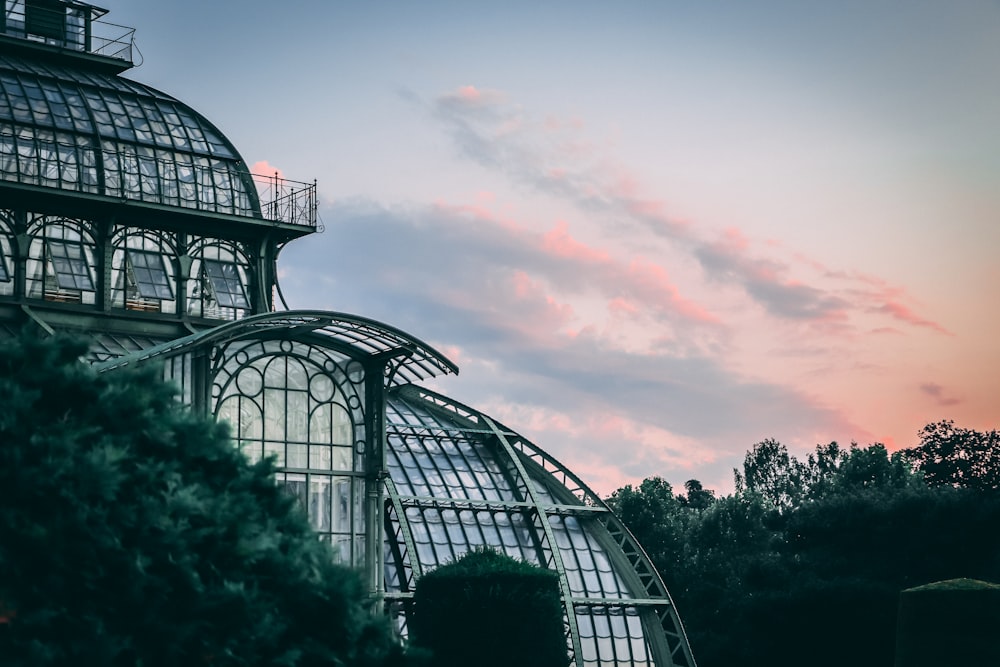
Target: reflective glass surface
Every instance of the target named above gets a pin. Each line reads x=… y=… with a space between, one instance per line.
x=61 y=254
x=226 y=284
x=150 y=274
x=457 y=480
x=297 y=404
x=457 y=485
x=70 y=265
x=91 y=132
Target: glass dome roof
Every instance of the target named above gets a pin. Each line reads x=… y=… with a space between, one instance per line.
x=97 y=133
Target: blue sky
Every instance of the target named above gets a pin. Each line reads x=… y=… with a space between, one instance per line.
x=650 y=233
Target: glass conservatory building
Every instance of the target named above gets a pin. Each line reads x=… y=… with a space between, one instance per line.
x=128 y=216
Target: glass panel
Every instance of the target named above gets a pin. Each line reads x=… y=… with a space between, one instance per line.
x=226 y=283
x=342 y=506
x=320 y=502
x=297 y=456
x=274 y=414
x=295 y=485
x=70 y=266
x=297 y=411
x=150 y=274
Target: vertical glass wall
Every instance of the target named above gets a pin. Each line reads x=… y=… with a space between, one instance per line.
x=7 y=254
x=144 y=270
x=304 y=406
x=61 y=259
x=219 y=283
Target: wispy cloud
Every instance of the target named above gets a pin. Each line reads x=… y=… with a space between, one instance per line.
x=555 y=157
x=938 y=393
x=613 y=336
x=505 y=297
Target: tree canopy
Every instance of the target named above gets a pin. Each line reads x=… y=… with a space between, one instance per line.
x=805 y=562
x=132 y=532
x=954 y=456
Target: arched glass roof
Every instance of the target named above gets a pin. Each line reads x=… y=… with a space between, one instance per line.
x=452 y=478
x=86 y=131
x=412 y=359
x=459 y=480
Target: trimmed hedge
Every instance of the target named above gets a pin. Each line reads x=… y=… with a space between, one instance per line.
x=489 y=610
x=953 y=622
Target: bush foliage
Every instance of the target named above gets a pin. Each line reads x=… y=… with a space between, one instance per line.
x=133 y=533
x=489 y=610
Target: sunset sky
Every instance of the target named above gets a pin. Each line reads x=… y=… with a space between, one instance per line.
x=650 y=234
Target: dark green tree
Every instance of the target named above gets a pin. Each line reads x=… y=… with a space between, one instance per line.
x=771 y=473
x=954 y=456
x=133 y=533
x=804 y=564
x=696 y=496
x=489 y=610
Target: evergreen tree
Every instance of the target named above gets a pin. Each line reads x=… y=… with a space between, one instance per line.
x=133 y=533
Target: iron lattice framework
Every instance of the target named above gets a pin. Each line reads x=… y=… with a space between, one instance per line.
x=409 y=359
x=458 y=479
x=401 y=480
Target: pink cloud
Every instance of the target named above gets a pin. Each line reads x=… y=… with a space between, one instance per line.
x=471 y=97
x=554 y=313
x=558 y=242
x=264 y=168
x=622 y=307
x=653 y=279
x=902 y=312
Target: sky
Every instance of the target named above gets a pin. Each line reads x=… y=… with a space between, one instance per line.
x=651 y=234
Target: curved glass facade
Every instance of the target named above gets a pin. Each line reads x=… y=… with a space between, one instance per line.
x=90 y=132
x=459 y=480
x=401 y=480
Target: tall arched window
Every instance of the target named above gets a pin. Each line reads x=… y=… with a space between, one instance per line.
x=218 y=286
x=303 y=406
x=61 y=260
x=144 y=270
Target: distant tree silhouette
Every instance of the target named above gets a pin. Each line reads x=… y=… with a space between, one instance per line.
x=803 y=565
x=957 y=456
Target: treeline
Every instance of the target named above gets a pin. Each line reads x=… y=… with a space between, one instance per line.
x=804 y=563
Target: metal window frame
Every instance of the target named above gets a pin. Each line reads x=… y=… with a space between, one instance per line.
x=221 y=284
x=78 y=278
x=154 y=294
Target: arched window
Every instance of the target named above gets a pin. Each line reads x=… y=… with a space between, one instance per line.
x=61 y=260
x=218 y=286
x=302 y=405
x=143 y=270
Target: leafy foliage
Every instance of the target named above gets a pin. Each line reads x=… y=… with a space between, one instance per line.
x=132 y=532
x=490 y=610
x=805 y=562
x=958 y=456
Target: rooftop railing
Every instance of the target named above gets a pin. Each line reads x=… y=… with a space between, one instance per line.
x=293 y=202
x=67 y=25
x=138 y=174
